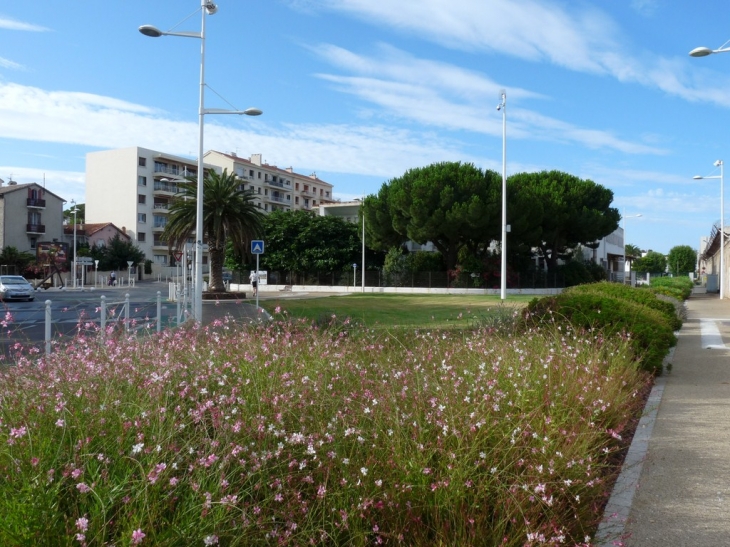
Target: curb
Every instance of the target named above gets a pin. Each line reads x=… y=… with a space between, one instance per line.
x=617 y=510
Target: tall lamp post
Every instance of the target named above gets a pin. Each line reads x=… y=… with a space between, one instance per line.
x=73 y=202
x=624 y=217
x=505 y=228
x=210 y=8
x=719 y=163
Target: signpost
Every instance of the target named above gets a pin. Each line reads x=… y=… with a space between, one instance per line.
x=257 y=248
x=84 y=261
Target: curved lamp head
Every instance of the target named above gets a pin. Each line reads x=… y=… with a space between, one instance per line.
x=697 y=177
x=253 y=112
x=718 y=163
x=700 y=52
x=151 y=31
x=211 y=8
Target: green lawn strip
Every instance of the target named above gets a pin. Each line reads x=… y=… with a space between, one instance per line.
x=396 y=310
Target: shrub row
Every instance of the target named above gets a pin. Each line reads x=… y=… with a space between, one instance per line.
x=638 y=315
x=676 y=287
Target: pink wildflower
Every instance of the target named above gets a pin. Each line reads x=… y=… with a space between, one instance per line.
x=137 y=536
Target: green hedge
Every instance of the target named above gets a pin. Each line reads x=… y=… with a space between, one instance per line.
x=649 y=330
x=647 y=298
x=677 y=287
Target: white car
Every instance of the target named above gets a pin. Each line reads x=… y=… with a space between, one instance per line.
x=15 y=287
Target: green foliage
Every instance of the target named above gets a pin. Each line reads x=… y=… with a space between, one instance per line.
x=578 y=272
x=450 y=204
x=298 y=241
x=648 y=331
x=682 y=260
x=68 y=216
x=644 y=297
x=678 y=287
x=148 y=267
x=567 y=212
x=16 y=261
x=116 y=253
x=653 y=263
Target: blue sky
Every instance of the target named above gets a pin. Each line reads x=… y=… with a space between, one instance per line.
x=362 y=90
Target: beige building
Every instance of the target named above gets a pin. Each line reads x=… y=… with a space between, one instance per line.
x=29 y=214
x=134 y=187
x=274 y=188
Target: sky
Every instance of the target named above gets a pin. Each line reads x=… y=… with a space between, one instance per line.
x=360 y=91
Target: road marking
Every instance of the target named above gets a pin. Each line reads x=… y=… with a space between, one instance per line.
x=710 y=334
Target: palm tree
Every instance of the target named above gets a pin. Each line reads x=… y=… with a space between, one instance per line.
x=229 y=212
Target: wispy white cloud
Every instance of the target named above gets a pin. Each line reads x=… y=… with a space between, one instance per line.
x=12 y=24
x=100 y=122
x=7 y=63
x=442 y=95
x=575 y=36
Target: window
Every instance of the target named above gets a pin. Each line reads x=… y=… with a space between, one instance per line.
x=240 y=172
x=296 y=200
x=33 y=242
x=142 y=162
x=34 y=217
x=160 y=259
x=259 y=174
x=141 y=199
x=141 y=237
x=266 y=207
x=250 y=173
x=259 y=190
x=141 y=218
x=296 y=186
x=141 y=181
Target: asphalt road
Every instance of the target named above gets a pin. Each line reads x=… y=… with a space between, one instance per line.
x=25 y=322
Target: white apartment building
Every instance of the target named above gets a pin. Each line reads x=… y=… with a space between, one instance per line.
x=274 y=188
x=134 y=187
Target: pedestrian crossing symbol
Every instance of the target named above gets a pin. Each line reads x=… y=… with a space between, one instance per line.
x=257 y=246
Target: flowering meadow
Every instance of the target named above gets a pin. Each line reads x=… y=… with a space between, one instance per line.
x=288 y=434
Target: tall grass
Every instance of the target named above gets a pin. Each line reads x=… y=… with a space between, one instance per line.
x=292 y=435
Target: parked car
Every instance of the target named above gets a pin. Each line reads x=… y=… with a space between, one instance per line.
x=15 y=287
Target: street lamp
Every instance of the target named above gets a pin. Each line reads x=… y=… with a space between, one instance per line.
x=624 y=217
x=209 y=7
x=505 y=228
x=720 y=164
x=705 y=51
x=73 y=202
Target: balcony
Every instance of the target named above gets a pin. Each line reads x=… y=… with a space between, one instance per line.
x=35 y=228
x=165 y=188
x=278 y=199
x=36 y=203
x=276 y=183
x=161 y=207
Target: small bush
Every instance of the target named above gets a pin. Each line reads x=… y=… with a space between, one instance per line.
x=575 y=273
x=648 y=330
x=646 y=298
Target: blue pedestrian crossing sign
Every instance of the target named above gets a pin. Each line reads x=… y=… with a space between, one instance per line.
x=257 y=246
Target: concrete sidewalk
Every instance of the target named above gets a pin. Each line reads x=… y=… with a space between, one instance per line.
x=682 y=495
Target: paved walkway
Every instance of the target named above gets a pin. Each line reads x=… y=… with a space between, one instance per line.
x=675 y=488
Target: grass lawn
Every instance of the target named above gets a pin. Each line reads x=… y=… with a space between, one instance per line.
x=399 y=310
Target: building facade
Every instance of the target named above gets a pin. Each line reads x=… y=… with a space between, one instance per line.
x=133 y=188
x=274 y=188
x=29 y=214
